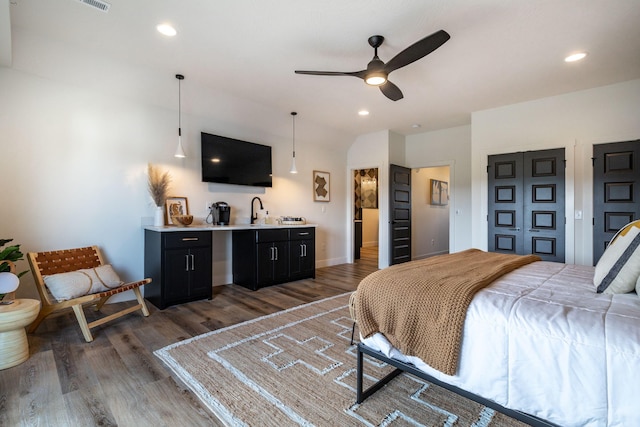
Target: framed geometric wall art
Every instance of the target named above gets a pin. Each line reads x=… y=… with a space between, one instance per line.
x=321 y=186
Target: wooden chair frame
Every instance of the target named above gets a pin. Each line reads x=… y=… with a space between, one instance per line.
x=63 y=261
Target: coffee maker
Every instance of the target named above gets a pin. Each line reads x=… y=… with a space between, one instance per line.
x=220 y=213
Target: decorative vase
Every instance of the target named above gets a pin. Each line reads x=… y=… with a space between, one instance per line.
x=158 y=218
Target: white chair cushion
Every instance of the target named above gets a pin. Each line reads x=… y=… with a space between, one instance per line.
x=74 y=284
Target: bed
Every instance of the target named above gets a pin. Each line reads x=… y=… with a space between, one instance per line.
x=538 y=343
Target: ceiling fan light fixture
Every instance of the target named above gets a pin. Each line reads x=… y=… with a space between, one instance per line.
x=376 y=78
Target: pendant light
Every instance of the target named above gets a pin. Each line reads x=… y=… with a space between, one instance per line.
x=179 y=151
x=293 y=160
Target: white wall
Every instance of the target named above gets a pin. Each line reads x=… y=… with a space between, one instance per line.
x=370 y=151
x=74 y=159
x=429 y=223
x=452 y=148
x=574 y=121
x=370 y=227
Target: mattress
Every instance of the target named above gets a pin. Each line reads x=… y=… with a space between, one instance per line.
x=542 y=341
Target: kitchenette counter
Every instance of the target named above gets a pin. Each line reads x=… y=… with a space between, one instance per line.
x=209 y=227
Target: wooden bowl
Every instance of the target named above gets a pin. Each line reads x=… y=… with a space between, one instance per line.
x=182 y=219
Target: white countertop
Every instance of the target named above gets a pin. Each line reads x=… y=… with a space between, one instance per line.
x=209 y=227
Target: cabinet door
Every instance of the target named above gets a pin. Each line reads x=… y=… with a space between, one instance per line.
x=176 y=274
x=309 y=261
x=281 y=262
x=200 y=279
x=264 y=263
x=302 y=259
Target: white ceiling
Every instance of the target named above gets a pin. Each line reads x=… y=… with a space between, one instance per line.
x=501 y=51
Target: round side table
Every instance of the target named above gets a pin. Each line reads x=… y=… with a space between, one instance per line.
x=14 y=347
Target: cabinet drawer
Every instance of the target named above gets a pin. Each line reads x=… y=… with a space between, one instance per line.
x=183 y=239
x=271 y=235
x=302 y=233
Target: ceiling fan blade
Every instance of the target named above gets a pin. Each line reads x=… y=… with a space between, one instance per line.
x=333 y=73
x=391 y=91
x=417 y=50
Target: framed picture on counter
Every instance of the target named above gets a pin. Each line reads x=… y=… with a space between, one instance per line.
x=175 y=206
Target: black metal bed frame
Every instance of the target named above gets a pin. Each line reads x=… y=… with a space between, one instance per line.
x=401 y=367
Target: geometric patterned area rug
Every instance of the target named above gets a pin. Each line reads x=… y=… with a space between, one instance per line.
x=297 y=367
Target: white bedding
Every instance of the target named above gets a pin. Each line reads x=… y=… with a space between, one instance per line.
x=542 y=341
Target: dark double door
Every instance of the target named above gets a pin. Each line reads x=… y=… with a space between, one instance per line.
x=616 y=190
x=526 y=209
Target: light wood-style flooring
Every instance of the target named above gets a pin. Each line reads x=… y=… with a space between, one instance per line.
x=117 y=381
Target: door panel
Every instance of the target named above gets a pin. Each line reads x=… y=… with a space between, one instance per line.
x=526 y=204
x=400 y=214
x=505 y=203
x=616 y=190
x=544 y=203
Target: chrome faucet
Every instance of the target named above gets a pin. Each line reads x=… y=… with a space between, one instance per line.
x=255 y=217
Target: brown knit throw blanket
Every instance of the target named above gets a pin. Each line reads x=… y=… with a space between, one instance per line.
x=420 y=306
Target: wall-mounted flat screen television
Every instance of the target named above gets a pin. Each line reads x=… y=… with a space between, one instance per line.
x=231 y=161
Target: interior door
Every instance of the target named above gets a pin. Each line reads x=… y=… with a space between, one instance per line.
x=399 y=214
x=527 y=203
x=616 y=190
x=506 y=196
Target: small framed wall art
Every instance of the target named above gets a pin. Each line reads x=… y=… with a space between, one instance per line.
x=175 y=206
x=321 y=186
x=439 y=193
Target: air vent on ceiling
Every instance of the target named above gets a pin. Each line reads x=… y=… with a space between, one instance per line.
x=98 y=4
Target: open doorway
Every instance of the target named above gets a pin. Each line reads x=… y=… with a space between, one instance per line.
x=430 y=211
x=366 y=214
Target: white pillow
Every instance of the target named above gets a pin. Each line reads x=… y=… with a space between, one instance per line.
x=619 y=267
x=66 y=286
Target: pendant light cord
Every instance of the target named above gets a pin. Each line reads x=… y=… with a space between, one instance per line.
x=180 y=77
x=293 y=116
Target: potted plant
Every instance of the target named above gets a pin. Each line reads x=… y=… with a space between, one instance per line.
x=9 y=256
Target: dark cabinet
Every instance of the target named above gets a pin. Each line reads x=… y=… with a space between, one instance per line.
x=180 y=264
x=302 y=253
x=272 y=263
x=270 y=256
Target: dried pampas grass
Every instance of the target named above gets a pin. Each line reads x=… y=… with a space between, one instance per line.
x=158 y=185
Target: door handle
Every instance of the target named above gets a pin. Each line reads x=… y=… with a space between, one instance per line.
x=515 y=229
x=193 y=263
x=275 y=249
x=189 y=239
x=272 y=252
x=534 y=230
x=186 y=259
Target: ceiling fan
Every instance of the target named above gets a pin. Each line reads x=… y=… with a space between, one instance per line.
x=377 y=71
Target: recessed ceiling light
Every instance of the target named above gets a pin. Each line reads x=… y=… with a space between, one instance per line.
x=167 y=30
x=416 y=125
x=575 y=57
x=363 y=113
